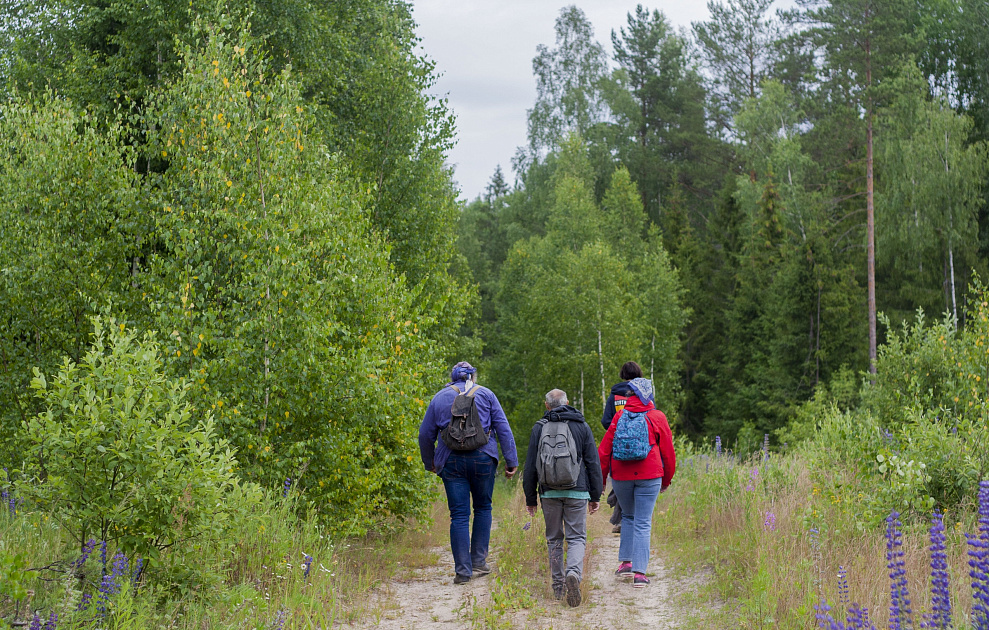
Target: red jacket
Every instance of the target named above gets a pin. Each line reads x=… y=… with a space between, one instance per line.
x=661 y=462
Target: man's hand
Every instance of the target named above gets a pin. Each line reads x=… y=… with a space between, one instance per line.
x=592 y=506
x=510 y=472
x=531 y=509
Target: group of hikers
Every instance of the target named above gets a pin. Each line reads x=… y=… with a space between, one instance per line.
x=565 y=472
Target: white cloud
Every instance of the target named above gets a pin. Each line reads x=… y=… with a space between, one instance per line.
x=483 y=51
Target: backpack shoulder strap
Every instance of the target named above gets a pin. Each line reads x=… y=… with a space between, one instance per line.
x=470 y=392
x=455 y=388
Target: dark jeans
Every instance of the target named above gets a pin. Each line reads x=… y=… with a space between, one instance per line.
x=469 y=476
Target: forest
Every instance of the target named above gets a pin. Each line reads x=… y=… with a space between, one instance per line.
x=235 y=269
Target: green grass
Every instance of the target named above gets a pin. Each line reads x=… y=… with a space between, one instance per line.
x=244 y=582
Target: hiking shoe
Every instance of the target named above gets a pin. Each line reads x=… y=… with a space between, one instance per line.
x=617 y=529
x=573 y=590
x=640 y=581
x=558 y=592
x=461 y=579
x=624 y=570
x=482 y=569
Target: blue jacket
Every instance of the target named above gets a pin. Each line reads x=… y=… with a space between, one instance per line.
x=492 y=416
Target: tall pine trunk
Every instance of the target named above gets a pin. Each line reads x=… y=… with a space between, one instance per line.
x=870 y=214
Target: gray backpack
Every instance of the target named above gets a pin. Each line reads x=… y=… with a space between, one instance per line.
x=557 y=462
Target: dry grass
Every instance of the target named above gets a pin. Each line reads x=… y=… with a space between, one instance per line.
x=774 y=578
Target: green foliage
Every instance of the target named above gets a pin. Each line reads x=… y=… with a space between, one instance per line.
x=73 y=225
x=118 y=454
x=278 y=299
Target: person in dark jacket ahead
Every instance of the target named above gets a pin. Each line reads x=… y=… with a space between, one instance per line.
x=620 y=393
x=565 y=511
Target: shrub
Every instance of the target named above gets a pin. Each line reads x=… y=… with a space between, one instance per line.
x=118 y=454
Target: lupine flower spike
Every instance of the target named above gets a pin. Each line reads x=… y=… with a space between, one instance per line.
x=899 y=607
x=770 y=523
x=843 y=597
x=287 y=486
x=717 y=445
x=52 y=623
x=87 y=549
x=978 y=554
x=306 y=565
x=940 y=617
x=36 y=622
x=858 y=619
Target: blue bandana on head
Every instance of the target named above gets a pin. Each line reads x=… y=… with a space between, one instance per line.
x=642 y=388
x=461 y=371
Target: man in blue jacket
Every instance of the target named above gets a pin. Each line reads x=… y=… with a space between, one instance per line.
x=467 y=475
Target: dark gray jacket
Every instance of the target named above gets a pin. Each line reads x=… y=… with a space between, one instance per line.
x=590 y=480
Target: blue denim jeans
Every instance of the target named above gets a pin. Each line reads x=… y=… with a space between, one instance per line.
x=637 y=499
x=469 y=476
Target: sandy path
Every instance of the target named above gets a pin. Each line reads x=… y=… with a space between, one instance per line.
x=427 y=599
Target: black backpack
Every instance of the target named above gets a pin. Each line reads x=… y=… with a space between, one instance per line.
x=464 y=433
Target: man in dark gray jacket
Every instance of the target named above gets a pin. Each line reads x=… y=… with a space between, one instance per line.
x=566 y=510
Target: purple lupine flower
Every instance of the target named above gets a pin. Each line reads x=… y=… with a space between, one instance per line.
x=287 y=486
x=899 y=607
x=84 y=602
x=717 y=445
x=36 y=622
x=843 y=597
x=824 y=619
x=753 y=475
x=52 y=623
x=111 y=583
x=940 y=594
x=138 y=567
x=280 y=618
x=978 y=554
x=306 y=565
x=527 y=525
x=87 y=549
x=858 y=618
x=770 y=523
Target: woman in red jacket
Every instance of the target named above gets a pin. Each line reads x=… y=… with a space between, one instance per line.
x=637 y=451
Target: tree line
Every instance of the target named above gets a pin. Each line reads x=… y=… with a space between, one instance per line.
x=261 y=188
x=748 y=197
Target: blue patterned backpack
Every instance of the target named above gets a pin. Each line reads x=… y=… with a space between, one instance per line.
x=631 y=441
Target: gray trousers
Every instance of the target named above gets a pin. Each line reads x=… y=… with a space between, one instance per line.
x=566 y=519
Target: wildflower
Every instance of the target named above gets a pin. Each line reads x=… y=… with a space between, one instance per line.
x=527 y=525
x=306 y=565
x=36 y=622
x=858 y=619
x=52 y=623
x=280 y=618
x=138 y=568
x=287 y=487
x=940 y=595
x=842 y=585
x=717 y=445
x=899 y=607
x=770 y=522
x=753 y=474
x=84 y=602
x=979 y=562
x=111 y=584
x=824 y=619
x=87 y=549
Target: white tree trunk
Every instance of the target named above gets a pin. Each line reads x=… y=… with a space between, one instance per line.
x=604 y=396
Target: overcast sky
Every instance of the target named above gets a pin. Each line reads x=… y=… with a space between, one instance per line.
x=483 y=51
